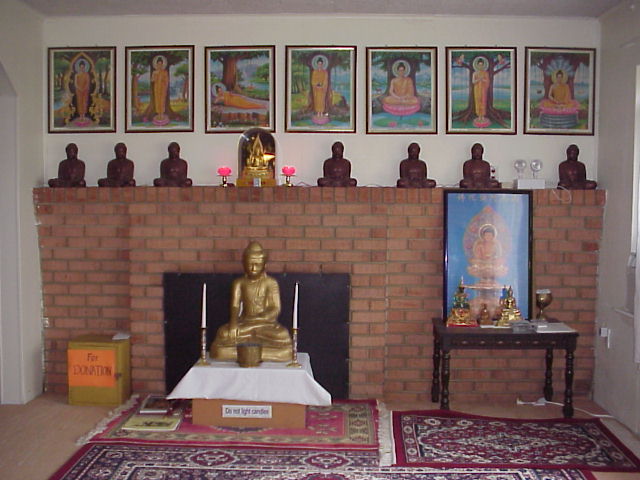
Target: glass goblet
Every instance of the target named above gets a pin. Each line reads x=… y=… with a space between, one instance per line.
x=543 y=300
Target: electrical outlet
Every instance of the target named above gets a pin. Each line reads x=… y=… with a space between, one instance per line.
x=605 y=332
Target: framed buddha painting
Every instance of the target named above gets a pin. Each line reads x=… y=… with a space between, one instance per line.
x=559 y=96
x=82 y=91
x=239 y=89
x=401 y=90
x=159 y=89
x=487 y=248
x=320 y=89
x=481 y=90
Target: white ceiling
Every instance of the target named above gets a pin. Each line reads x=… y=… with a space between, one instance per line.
x=557 y=8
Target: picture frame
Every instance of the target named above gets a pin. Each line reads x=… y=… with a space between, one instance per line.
x=81 y=89
x=481 y=90
x=154 y=72
x=488 y=247
x=320 y=89
x=239 y=88
x=402 y=90
x=559 y=91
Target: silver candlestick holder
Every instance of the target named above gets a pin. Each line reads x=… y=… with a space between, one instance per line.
x=203 y=347
x=294 y=350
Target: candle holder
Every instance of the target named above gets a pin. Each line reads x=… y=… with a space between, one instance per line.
x=203 y=347
x=294 y=352
x=224 y=172
x=288 y=171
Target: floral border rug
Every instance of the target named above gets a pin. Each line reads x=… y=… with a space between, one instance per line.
x=344 y=424
x=443 y=438
x=126 y=461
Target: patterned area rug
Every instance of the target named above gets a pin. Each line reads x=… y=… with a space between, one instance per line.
x=443 y=438
x=349 y=424
x=122 y=461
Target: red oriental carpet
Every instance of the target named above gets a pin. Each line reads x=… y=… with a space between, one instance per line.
x=183 y=462
x=343 y=425
x=441 y=438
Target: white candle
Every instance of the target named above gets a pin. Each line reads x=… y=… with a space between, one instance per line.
x=204 y=306
x=295 y=307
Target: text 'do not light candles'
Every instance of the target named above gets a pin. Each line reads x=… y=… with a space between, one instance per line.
x=224 y=172
x=288 y=171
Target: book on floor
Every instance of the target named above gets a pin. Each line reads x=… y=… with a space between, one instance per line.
x=153 y=423
x=156 y=404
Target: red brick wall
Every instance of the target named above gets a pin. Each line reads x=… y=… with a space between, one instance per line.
x=103 y=252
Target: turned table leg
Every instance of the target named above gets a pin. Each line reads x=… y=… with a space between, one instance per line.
x=567 y=410
x=435 y=383
x=548 y=376
x=444 y=401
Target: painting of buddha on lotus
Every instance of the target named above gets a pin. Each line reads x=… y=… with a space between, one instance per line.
x=487 y=247
x=560 y=94
x=401 y=90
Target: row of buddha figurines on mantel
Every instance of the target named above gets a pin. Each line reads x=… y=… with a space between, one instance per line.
x=336 y=170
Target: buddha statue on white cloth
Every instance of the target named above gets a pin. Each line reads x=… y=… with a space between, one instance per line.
x=255 y=306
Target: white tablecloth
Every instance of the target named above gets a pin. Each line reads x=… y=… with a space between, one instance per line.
x=269 y=382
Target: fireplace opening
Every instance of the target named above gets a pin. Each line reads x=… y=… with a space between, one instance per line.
x=323 y=321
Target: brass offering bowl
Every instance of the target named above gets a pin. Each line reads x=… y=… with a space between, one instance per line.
x=249 y=354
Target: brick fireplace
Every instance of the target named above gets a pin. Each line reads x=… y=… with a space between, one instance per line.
x=104 y=251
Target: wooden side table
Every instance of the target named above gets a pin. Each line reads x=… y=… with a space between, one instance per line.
x=446 y=339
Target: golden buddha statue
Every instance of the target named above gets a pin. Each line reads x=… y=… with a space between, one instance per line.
x=510 y=312
x=255 y=306
x=460 y=314
x=256 y=163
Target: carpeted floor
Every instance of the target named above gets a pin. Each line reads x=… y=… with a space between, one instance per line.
x=112 y=461
x=345 y=424
x=439 y=438
x=38 y=437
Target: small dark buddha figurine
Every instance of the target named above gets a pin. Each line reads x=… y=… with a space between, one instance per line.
x=119 y=170
x=173 y=170
x=337 y=169
x=572 y=172
x=70 y=170
x=413 y=171
x=476 y=172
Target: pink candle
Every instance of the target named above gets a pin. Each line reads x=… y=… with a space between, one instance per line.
x=224 y=171
x=288 y=170
x=203 y=324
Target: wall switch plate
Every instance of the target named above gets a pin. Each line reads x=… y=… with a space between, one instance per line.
x=605 y=332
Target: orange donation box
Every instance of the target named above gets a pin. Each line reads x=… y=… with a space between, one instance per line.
x=98 y=370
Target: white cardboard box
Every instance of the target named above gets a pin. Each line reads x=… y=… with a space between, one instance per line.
x=529 y=183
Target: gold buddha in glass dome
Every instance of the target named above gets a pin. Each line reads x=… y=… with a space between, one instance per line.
x=256 y=159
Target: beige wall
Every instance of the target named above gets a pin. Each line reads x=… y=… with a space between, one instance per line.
x=617 y=381
x=374 y=158
x=21 y=42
